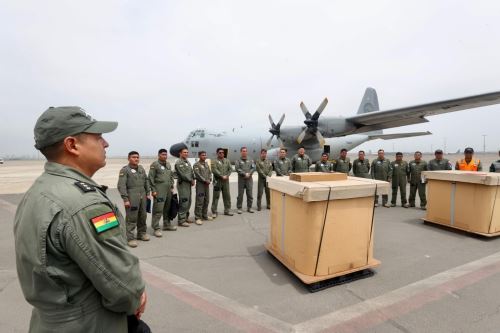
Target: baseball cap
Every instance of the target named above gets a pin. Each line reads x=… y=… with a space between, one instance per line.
x=438 y=151
x=469 y=150
x=56 y=123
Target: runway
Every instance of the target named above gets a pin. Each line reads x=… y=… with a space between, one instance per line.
x=218 y=277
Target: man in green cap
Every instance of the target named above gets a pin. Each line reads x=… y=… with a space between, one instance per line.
x=185 y=180
x=161 y=181
x=361 y=166
x=381 y=170
x=495 y=166
x=245 y=168
x=134 y=189
x=343 y=164
x=415 y=174
x=264 y=169
x=72 y=260
x=439 y=163
x=324 y=165
x=283 y=165
x=203 y=177
x=300 y=161
x=399 y=179
x=221 y=168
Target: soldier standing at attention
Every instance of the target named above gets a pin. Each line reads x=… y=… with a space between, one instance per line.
x=467 y=163
x=185 y=180
x=221 y=168
x=245 y=169
x=399 y=179
x=264 y=169
x=301 y=162
x=161 y=181
x=283 y=165
x=203 y=177
x=133 y=185
x=72 y=260
x=343 y=163
x=415 y=172
x=495 y=166
x=439 y=163
x=324 y=165
x=361 y=166
x=381 y=170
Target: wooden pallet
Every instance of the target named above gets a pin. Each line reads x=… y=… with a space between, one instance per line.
x=308 y=279
x=494 y=234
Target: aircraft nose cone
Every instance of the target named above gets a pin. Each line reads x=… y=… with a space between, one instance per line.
x=176 y=148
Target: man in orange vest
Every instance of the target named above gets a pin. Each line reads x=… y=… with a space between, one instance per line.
x=467 y=163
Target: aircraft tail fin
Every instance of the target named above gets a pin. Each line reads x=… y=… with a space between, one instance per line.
x=369 y=102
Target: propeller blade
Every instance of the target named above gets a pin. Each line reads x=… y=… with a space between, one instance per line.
x=281 y=120
x=271 y=121
x=305 y=111
x=320 y=138
x=320 y=109
x=268 y=144
x=301 y=136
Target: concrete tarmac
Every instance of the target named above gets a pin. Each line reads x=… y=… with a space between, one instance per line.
x=218 y=277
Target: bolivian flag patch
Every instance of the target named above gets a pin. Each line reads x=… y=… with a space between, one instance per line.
x=105 y=222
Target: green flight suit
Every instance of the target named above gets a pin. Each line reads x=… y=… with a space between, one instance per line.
x=415 y=174
x=435 y=165
x=361 y=168
x=343 y=166
x=399 y=180
x=221 y=168
x=244 y=167
x=264 y=170
x=203 y=176
x=324 y=166
x=283 y=166
x=495 y=166
x=301 y=163
x=185 y=178
x=133 y=185
x=72 y=260
x=161 y=181
x=381 y=170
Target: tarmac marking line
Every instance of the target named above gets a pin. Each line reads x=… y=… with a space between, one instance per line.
x=372 y=312
x=213 y=304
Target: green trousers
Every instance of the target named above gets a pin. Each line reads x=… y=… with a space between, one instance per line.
x=261 y=186
x=201 y=201
x=221 y=186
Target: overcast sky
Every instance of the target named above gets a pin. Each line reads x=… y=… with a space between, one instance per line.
x=163 y=68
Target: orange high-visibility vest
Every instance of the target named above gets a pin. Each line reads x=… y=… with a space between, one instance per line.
x=472 y=166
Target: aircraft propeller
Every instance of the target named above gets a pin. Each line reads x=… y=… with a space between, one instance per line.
x=312 y=122
x=275 y=129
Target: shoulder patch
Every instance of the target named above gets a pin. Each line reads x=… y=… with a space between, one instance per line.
x=104 y=222
x=85 y=187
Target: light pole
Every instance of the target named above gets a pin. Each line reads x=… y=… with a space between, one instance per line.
x=484 y=143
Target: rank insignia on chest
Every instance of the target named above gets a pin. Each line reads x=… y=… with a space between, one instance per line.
x=85 y=187
x=104 y=222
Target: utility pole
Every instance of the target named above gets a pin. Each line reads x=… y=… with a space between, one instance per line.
x=484 y=143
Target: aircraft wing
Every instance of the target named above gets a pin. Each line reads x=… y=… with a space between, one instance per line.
x=378 y=120
x=398 y=135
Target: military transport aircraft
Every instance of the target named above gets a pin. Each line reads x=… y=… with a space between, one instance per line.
x=328 y=134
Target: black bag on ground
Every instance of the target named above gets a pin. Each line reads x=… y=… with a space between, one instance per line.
x=174 y=206
x=136 y=325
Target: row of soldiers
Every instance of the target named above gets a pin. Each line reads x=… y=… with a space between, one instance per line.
x=135 y=185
